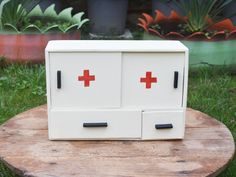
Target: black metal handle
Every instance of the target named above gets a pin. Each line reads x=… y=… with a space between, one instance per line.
x=163 y=126
x=176 y=78
x=58 y=79
x=94 y=125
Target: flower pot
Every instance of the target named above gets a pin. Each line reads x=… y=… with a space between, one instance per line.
x=29 y=47
x=216 y=49
x=207 y=52
x=107 y=17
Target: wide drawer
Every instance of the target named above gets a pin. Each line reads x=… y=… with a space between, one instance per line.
x=163 y=125
x=94 y=124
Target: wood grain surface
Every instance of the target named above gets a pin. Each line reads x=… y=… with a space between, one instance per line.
x=24 y=147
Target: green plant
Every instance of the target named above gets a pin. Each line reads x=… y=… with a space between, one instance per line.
x=200 y=12
x=21 y=87
x=25 y=16
x=14 y=11
x=50 y=20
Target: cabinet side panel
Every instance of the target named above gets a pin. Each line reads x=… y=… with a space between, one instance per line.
x=48 y=87
x=185 y=83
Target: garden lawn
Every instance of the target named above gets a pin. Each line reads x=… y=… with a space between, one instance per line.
x=211 y=90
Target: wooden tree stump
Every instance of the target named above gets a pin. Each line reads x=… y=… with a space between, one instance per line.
x=24 y=146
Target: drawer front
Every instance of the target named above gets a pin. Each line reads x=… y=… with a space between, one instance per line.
x=90 y=124
x=152 y=80
x=85 y=80
x=163 y=125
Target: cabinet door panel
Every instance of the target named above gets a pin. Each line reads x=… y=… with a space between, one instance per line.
x=152 y=80
x=84 y=80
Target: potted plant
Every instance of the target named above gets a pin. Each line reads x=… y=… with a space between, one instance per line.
x=107 y=17
x=25 y=29
x=198 y=29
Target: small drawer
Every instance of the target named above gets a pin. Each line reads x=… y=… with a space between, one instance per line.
x=94 y=124
x=163 y=125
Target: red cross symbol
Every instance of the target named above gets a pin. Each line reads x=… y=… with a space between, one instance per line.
x=148 y=80
x=86 y=78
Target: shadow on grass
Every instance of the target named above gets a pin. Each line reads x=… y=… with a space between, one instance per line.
x=6 y=172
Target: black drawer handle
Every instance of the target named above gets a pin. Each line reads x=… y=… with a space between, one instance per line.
x=59 y=79
x=176 y=78
x=94 y=125
x=163 y=126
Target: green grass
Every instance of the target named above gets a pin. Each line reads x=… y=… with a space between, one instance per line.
x=212 y=91
x=21 y=87
x=6 y=172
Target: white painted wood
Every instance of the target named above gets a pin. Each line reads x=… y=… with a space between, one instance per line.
x=122 y=124
x=115 y=46
x=104 y=92
x=185 y=84
x=151 y=118
x=48 y=85
x=116 y=95
x=162 y=94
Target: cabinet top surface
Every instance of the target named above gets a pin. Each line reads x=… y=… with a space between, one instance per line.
x=115 y=46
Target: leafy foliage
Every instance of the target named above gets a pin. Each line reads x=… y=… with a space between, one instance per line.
x=14 y=11
x=25 y=16
x=200 y=12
